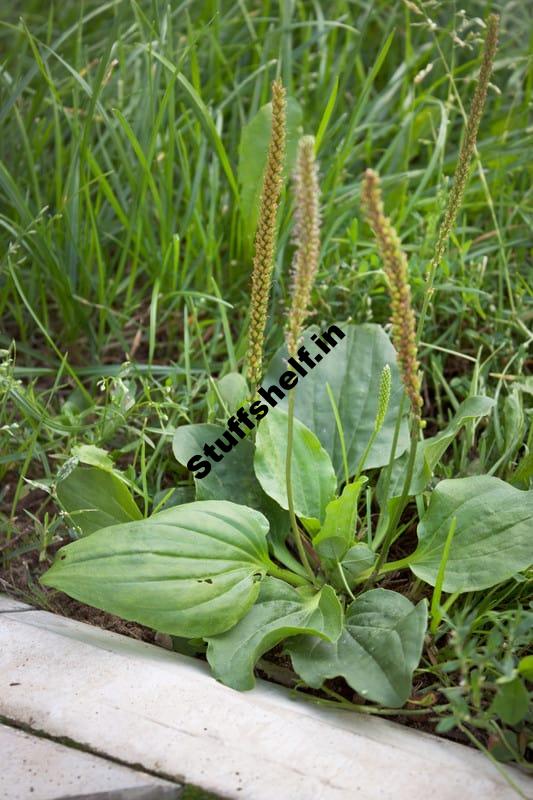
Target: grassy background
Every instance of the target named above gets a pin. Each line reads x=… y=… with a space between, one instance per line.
x=122 y=235
x=124 y=268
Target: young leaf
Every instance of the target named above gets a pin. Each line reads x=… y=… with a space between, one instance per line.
x=493 y=535
x=253 y=151
x=377 y=652
x=313 y=477
x=233 y=479
x=357 y=560
x=192 y=570
x=338 y=531
x=345 y=572
x=96 y=498
x=525 y=667
x=93 y=456
x=233 y=390
x=280 y=611
x=430 y=451
x=353 y=371
x=511 y=703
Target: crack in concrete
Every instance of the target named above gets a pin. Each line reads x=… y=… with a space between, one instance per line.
x=180 y=790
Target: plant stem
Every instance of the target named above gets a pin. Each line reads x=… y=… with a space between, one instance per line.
x=290 y=500
x=339 y=700
x=364 y=457
x=503 y=772
x=345 y=582
x=286 y=575
x=395 y=518
x=379 y=535
x=392 y=566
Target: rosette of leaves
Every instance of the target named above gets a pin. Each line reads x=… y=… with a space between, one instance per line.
x=223 y=567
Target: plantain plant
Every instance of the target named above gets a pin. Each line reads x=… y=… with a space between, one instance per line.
x=280 y=545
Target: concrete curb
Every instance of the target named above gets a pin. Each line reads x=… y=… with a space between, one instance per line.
x=37 y=768
x=146 y=706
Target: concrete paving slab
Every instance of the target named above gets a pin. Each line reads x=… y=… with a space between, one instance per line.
x=10 y=604
x=34 y=768
x=145 y=705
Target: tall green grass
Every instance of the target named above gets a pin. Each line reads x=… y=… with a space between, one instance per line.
x=121 y=224
x=120 y=127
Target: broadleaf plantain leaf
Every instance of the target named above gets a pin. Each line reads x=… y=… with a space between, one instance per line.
x=353 y=371
x=192 y=570
x=313 y=477
x=280 y=611
x=377 y=651
x=493 y=537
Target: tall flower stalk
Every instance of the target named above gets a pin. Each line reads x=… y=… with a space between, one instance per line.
x=307 y=238
x=396 y=270
x=265 y=236
x=403 y=332
x=304 y=269
x=462 y=170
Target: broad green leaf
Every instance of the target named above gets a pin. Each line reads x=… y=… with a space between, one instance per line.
x=353 y=370
x=493 y=536
x=377 y=652
x=193 y=570
x=524 y=471
x=253 y=151
x=511 y=703
x=338 y=531
x=233 y=391
x=234 y=479
x=280 y=611
x=430 y=451
x=357 y=560
x=525 y=667
x=347 y=570
x=514 y=422
x=434 y=448
x=312 y=474
x=95 y=498
x=93 y=456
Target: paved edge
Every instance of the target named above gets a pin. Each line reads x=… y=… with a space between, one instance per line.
x=143 y=705
x=36 y=768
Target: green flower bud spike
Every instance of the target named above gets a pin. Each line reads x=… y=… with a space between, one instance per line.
x=383 y=398
x=383 y=407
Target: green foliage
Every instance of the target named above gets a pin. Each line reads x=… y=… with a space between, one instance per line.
x=353 y=374
x=125 y=226
x=193 y=570
x=377 y=651
x=492 y=541
x=431 y=450
x=483 y=644
x=203 y=569
x=278 y=613
x=511 y=703
x=234 y=479
x=95 y=498
x=313 y=478
x=338 y=531
x=252 y=158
